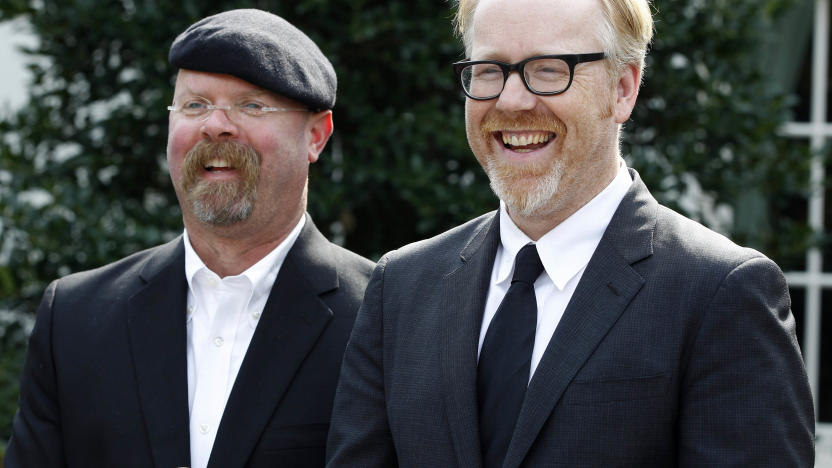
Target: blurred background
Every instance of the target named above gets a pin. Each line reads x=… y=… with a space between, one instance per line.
x=731 y=128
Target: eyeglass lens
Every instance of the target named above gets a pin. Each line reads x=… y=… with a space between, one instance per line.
x=201 y=109
x=545 y=75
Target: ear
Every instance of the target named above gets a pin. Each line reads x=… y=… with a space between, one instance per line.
x=319 y=128
x=629 y=80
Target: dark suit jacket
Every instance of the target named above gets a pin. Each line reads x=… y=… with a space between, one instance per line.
x=677 y=349
x=105 y=380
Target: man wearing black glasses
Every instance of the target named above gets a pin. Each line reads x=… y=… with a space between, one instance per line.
x=582 y=324
x=222 y=347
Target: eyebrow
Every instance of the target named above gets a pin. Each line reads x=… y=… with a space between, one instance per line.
x=188 y=92
x=496 y=56
x=256 y=93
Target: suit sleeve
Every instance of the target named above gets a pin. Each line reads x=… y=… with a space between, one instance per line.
x=359 y=434
x=745 y=398
x=36 y=430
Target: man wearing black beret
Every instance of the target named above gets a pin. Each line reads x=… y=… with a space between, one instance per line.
x=221 y=348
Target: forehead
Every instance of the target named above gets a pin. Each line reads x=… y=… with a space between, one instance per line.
x=516 y=29
x=213 y=85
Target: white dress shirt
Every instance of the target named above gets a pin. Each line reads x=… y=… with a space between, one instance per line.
x=222 y=316
x=565 y=251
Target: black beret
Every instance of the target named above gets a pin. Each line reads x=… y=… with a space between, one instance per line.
x=261 y=48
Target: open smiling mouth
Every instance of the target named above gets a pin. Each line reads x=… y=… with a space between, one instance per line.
x=524 y=142
x=217 y=165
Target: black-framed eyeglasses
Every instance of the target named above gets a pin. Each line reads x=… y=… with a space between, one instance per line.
x=544 y=75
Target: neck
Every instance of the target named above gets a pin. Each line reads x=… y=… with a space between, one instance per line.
x=231 y=250
x=537 y=226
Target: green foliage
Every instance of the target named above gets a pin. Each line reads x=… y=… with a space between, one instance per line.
x=707 y=110
x=82 y=168
x=14 y=331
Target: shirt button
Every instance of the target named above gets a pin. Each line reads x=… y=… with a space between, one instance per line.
x=255 y=315
x=190 y=310
x=212 y=282
x=203 y=428
x=218 y=341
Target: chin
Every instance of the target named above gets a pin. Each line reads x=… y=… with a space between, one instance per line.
x=528 y=199
x=525 y=194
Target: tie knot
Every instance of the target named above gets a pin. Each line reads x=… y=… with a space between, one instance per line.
x=527 y=265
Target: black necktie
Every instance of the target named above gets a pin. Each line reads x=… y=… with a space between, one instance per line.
x=505 y=359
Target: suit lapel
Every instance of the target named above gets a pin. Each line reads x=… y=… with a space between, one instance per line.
x=292 y=320
x=464 y=291
x=157 y=330
x=606 y=288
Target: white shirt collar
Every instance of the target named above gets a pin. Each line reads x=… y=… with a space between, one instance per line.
x=261 y=275
x=566 y=249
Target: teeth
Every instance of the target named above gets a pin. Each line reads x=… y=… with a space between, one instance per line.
x=537 y=138
x=216 y=163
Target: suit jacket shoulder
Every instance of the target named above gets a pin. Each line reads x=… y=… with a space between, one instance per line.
x=118 y=280
x=321 y=260
x=442 y=253
x=680 y=236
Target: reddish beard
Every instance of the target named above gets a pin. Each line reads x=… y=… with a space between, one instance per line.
x=225 y=202
x=525 y=188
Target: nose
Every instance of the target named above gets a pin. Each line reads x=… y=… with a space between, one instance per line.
x=218 y=126
x=515 y=95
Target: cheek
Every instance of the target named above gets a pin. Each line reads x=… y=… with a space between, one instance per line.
x=281 y=153
x=271 y=142
x=574 y=109
x=180 y=140
x=474 y=113
x=597 y=97
x=278 y=141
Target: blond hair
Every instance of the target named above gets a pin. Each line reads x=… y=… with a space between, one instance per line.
x=627 y=32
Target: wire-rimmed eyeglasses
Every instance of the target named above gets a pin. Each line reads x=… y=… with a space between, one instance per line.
x=201 y=108
x=544 y=75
